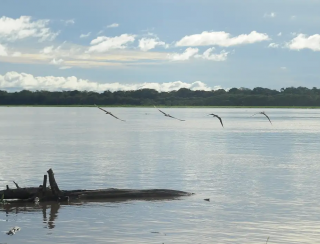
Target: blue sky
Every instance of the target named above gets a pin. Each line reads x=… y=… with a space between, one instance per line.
x=160 y=44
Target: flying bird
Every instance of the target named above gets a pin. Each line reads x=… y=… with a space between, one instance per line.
x=168 y=115
x=264 y=115
x=107 y=112
x=214 y=115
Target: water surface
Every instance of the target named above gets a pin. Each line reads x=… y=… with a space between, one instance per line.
x=262 y=179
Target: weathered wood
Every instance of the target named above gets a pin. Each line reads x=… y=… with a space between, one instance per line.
x=111 y=193
x=44 y=185
x=56 y=195
x=130 y=194
x=53 y=184
x=16 y=185
x=21 y=193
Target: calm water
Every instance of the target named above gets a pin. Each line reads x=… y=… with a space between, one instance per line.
x=262 y=180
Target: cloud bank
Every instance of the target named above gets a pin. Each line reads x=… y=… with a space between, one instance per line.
x=146 y=44
x=193 y=53
x=104 y=43
x=19 y=81
x=24 y=27
x=222 y=39
x=302 y=41
x=187 y=54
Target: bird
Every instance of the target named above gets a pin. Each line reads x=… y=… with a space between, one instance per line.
x=207 y=199
x=214 y=115
x=168 y=115
x=264 y=115
x=13 y=230
x=109 y=113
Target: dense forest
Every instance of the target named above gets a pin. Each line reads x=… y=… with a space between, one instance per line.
x=291 y=96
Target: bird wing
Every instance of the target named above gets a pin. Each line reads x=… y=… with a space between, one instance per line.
x=160 y=110
x=102 y=109
x=116 y=117
x=163 y=112
x=175 y=118
x=220 y=120
x=267 y=117
x=254 y=114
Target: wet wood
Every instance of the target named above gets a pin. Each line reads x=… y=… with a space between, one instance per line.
x=129 y=194
x=44 y=185
x=53 y=184
x=21 y=193
x=16 y=184
x=29 y=194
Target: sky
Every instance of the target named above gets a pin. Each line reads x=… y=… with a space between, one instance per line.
x=160 y=44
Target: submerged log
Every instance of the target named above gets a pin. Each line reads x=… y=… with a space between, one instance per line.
x=20 y=193
x=45 y=194
x=129 y=194
x=28 y=194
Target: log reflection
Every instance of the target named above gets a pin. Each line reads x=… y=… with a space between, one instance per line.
x=53 y=215
x=52 y=208
x=16 y=208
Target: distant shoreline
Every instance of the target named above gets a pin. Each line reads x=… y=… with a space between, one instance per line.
x=164 y=106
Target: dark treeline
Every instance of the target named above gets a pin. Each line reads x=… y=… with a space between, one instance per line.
x=291 y=96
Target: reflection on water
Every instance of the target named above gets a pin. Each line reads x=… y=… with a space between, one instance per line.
x=262 y=179
x=14 y=209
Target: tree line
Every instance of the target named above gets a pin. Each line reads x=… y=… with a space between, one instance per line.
x=291 y=96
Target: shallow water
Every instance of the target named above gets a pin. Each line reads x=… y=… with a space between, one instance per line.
x=262 y=179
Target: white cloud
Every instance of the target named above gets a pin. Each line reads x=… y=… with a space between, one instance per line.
x=208 y=55
x=187 y=54
x=146 y=44
x=193 y=52
x=283 y=68
x=63 y=50
x=104 y=43
x=19 y=81
x=65 y=67
x=16 y=54
x=279 y=34
x=24 y=27
x=69 y=22
x=273 y=45
x=47 y=50
x=85 y=35
x=77 y=56
x=293 y=17
x=269 y=15
x=221 y=38
x=57 y=61
x=305 y=42
x=3 y=50
x=98 y=40
x=114 y=25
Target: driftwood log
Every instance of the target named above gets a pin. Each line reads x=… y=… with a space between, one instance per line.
x=44 y=193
